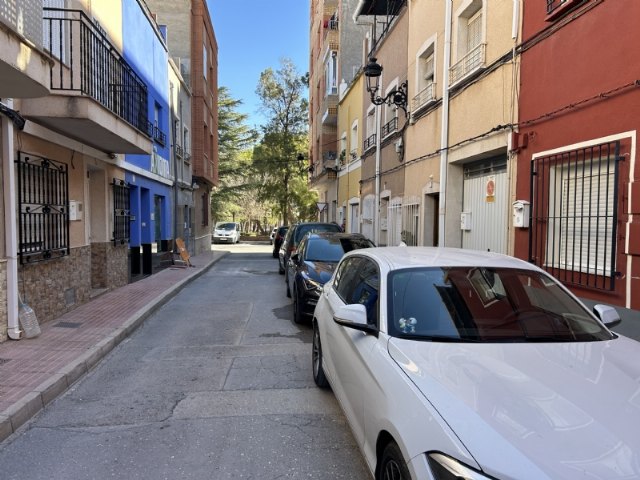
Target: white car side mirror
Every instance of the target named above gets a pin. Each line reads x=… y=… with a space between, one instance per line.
x=607 y=315
x=354 y=316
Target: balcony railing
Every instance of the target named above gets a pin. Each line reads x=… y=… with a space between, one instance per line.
x=179 y=151
x=89 y=64
x=158 y=135
x=426 y=96
x=389 y=127
x=370 y=142
x=354 y=154
x=471 y=62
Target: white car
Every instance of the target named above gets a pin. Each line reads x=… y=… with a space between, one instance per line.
x=456 y=364
x=226 y=232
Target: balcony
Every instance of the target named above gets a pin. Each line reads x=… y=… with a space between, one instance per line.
x=471 y=62
x=370 y=142
x=24 y=69
x=425 y=97
x=97 y=98
x=389 y=127
x=330 y=109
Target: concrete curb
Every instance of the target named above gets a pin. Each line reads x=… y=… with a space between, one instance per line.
x=32 y=403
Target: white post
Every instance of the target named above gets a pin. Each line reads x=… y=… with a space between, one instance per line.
x=444 y=139
x=10 y=224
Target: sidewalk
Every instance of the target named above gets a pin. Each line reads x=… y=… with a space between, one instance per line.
x=33 y=372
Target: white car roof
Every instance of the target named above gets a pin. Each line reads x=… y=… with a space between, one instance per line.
x=408 y=257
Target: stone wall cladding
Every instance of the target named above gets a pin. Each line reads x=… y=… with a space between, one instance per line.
x=117 y=265
x=3 y=302
x=99 y=266
x=45 y=286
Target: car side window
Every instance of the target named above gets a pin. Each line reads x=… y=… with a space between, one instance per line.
x=345 y=280
x=366 y=290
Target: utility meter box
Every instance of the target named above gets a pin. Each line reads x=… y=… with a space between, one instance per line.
x=75 y=210
x=521 y=214
x=465 y=221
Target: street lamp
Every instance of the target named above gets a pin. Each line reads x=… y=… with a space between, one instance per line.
x=397 y=96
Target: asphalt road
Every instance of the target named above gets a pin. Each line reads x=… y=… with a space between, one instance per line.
x=215 y=385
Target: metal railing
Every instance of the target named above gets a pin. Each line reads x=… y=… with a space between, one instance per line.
x=43 y=206
x=179 y=151
x=154 y=132
x=574 y=220
x=553 y=5
x=121 y=213
x=424 y=97
x=354 y=154
x=88 y=63
x=471 y=62
x=370 y=142
x=389 y=127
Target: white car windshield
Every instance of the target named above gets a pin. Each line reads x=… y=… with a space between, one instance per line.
x=226 y=226
x=486 y=305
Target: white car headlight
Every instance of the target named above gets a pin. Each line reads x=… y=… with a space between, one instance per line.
x=446 y=468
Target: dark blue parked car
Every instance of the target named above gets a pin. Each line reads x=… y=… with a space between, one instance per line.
x=309 y=268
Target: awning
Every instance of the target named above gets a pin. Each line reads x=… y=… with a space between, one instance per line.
x=378 y=7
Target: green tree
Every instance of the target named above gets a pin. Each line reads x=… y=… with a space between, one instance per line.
x=235 y=140
x=281 y=173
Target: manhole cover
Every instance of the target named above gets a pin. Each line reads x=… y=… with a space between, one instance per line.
x=68 y=325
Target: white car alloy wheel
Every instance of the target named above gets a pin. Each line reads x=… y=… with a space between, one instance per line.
x=318 y=372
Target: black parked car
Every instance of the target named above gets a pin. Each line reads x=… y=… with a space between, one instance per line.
x=277 y=240
x=295 y=234
x=312 y=265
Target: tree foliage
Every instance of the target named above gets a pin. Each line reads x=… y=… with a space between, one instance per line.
x=235 y=140
x=280 y=171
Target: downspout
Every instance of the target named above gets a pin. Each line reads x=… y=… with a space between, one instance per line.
x=10 y=222
x=444 y=139
x=376 y=213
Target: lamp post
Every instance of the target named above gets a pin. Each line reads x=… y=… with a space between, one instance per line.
x=397 y=96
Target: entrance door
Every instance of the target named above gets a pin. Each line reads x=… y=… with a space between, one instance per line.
x=157 y=210
x=486 y=202
x=430 y=220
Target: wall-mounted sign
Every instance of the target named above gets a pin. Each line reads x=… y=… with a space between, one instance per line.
x=490 y=189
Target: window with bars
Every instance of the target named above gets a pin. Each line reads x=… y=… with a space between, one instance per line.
x=121 y=213
x=574 y=201
x=43 y=206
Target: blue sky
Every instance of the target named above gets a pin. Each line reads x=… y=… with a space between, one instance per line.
x=254 y=35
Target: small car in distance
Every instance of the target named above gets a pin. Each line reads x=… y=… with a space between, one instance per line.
x=295 y=234
x=459 y=364
x=278 y=239
x=226 y=232
x=312 y=265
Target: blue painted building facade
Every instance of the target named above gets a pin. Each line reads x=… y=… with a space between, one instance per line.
x=149 y=176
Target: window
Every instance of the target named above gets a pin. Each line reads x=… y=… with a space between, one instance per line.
x=574 y=215
x=205 y=61
x=331 y=74
x=354 y=141
x=470 y=50
x=425 y=73
x=43 y=213
x=345 y=281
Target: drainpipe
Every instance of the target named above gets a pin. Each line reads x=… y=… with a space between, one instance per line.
x=444 y=139
x=376 y=213
x=10 y=222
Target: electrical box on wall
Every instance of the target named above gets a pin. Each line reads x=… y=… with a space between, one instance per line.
x=465 y=221
x=521 y=214
x=75 y=210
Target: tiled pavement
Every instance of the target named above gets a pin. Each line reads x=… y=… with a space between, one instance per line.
x=35 y=371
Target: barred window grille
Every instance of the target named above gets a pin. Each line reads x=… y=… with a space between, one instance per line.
x=574 y=201
x=121 y=213
x=43 y=205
